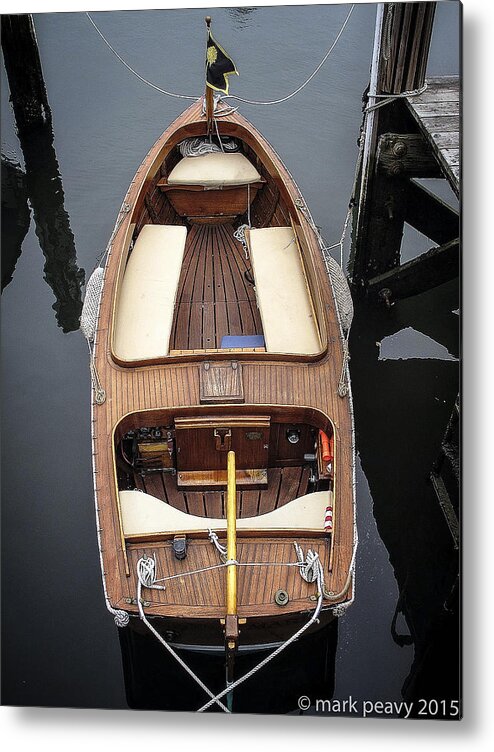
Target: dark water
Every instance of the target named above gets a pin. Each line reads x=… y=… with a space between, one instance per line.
x=399 y=640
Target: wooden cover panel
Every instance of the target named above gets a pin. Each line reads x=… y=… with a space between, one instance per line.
x=221 y=382
x=210 y=203
x=205 y=447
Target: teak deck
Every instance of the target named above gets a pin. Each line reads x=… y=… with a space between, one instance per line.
x=271 y=380
x=214 y=298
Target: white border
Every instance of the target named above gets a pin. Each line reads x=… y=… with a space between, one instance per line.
x=78 y=729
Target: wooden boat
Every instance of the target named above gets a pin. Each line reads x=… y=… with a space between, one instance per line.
x=220 y=367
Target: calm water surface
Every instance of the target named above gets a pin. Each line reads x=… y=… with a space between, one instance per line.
x=60 y=646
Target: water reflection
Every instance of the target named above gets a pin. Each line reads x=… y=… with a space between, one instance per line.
x=154 y=680
x=16 y=216
x=241 y=16
x=41 y=185
x=398 y=436
x=409 y=343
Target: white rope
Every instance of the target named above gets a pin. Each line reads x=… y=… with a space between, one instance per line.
x=388 y=98
x=213 y=537
x=144 y=80
x=239 y=235
x=339 y=283
x=228 y=96
x=310 y=569
x=341 y=241
x=90 y=306
x=190 y=573
x=302 y=86
x=196 y=147
x=145 y=576
x=233 y=685
x=341 y=290
x=124 y=210
x=308 y=564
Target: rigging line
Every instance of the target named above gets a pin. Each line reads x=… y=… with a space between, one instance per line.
x=144 y=80
x=284 y=99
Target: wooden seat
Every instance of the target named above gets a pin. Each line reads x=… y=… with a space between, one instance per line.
x=214 y=170
x=143 y=514
x=212 y=188
x=145 y=306
x=283 y=297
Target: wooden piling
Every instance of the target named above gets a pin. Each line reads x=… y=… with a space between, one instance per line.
x=390 y=153
x=24 y=72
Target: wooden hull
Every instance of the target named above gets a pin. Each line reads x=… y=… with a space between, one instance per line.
x=289 y=389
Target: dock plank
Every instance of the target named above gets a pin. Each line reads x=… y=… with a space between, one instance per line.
x=437 y=112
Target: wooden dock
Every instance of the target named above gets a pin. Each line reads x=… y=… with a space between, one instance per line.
x=437 y=113
x=411 y=130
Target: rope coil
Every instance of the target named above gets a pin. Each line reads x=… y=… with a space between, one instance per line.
x=196 y=147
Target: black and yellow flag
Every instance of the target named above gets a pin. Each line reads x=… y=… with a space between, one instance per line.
x=219 y=65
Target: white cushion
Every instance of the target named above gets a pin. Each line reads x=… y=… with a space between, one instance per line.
x=215 y=169
x=144 y=312
x=282 y=293
x=143 y=514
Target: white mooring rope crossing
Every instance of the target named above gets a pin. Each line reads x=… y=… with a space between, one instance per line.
x=310 y=568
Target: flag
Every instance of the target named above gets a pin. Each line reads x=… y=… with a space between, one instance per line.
x=219 y=65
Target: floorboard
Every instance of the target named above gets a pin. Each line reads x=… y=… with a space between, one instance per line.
x=284 y=485
x=214 y=298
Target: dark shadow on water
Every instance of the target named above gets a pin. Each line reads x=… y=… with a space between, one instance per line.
x=16 y=216
x=43 y=185
x=401 y=410
x=155 y=681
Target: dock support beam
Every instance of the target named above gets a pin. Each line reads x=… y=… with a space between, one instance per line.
x=401 y=45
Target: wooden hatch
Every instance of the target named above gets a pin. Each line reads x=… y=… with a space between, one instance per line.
x=203 y=443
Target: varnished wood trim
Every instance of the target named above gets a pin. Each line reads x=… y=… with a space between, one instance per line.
x=245 y=533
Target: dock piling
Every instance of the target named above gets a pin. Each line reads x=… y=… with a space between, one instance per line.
x=400 y=143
